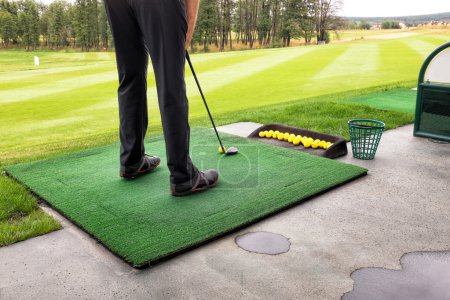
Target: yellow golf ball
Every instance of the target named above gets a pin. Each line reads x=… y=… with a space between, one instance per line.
x=269 y=133
x=304 y=140
x=291 y=138
x=315 y=145
x=262 y=133
x=221 y=150
x=286 y=136
x=297 y=141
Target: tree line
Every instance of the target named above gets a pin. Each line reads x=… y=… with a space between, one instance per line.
x=405 y=19
x=221 y=23
x=31 y=24
x=364 y=25
x=264 y=23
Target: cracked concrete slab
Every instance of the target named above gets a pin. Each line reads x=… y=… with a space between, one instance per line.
x=401 y=206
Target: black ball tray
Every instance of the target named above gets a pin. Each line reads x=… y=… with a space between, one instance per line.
x=339 y=147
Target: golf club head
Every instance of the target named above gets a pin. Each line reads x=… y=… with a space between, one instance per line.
x=231 y=151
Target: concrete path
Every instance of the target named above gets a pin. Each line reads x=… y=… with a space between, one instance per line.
x=401 y=206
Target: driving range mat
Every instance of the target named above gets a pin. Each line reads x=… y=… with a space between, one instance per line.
x=139 y=220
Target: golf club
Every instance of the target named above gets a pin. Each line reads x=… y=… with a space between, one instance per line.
x=229 y=151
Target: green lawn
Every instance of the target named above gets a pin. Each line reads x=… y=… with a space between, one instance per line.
x=402 y=100
x=20 y=217
x=325 y=115
x=69 y=102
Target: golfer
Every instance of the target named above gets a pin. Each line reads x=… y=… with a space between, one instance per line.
x=163 y=29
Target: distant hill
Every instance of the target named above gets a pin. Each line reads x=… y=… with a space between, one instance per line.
x=414 y=19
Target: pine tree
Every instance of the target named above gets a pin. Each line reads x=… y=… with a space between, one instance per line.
x=8 y=28
x=57 y=30
x=104 y=30
x=28 y=19
x=43 y=26
x=80 y=24
x=207 y=19
x=264 y=22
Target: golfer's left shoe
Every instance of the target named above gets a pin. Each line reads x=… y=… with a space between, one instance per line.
x=148 y=164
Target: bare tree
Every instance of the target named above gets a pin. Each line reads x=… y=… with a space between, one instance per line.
x=325 y=14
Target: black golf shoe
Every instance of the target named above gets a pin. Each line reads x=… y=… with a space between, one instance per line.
x=148 y=164
x=202 y=182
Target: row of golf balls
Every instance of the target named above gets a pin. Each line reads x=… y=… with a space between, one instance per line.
x=296 y=139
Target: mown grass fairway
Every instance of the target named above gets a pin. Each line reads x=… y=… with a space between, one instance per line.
x=69 y=101
x=73 y=95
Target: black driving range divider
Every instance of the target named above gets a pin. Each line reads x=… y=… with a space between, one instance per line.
x=433 y=96
x=337 y=149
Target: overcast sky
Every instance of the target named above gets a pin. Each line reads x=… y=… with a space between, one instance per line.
x=391 y=8
x=386 y=8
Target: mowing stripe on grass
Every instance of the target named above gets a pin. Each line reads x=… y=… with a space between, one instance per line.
x=24 y=60
x=49 y=124
x=107 y=104
x=437 y=39
x=215 y=79
x=105 y=56
x=213 y=61
x=422 y=47
x=54 y=77
x=60 y=86
x=143 y=224
x=234 y=74
x=359 y=59
x=293 y=81
x=394 y=54
x=12 y=76
x=57 y=104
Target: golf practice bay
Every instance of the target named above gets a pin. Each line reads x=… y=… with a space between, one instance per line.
x=139 y=220
x=68 y=103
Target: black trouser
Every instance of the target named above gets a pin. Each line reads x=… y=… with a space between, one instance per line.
x=158 y=28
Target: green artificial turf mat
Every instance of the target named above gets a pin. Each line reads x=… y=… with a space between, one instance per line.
x=143 y=224
x=403 y=100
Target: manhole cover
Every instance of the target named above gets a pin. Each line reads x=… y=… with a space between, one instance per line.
x=263 y=242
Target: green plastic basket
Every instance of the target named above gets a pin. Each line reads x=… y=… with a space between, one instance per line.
x=365 y=136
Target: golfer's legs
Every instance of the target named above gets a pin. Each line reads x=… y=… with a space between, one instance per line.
x=132 y=60
x=163 y=23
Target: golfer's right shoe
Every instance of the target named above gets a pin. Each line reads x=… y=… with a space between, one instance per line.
x=202 y=182
x=148 y=164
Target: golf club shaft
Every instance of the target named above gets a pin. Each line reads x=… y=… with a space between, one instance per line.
x=204 y=101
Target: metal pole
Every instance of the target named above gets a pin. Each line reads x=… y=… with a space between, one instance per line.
x=204 y=101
